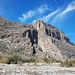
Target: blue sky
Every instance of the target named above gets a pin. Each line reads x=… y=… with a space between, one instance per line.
x=59 y=13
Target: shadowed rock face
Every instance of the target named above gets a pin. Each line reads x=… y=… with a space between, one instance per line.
x=17 y=37
x=40 y=38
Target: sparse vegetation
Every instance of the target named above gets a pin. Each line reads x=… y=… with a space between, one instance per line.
x=10 y=59
x=46 y=59
x=29 y=60
x=17 y=59
x=68 y=63
x=3 y=59
x=14 y=59
x=52 y=60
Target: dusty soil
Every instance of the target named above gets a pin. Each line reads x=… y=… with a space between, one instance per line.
x=35 y=69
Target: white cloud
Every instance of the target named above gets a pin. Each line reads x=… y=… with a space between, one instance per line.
x=27 y=15
x=70 y=7
x=57 y=16
x=40 y=10
x=61 y=16
x=43 y=8
x=49 y=16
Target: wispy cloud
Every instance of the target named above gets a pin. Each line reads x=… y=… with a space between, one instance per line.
x=47 y=17
x=29 y=14
x=61 y=16
x=57 y=16
x=40 y=10
x=70 y=7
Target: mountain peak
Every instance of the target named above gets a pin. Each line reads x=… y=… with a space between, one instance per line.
x=39 y=21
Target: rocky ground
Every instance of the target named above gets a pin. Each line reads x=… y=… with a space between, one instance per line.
x=37 y=69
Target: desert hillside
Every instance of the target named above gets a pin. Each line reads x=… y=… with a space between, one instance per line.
x=39 y=39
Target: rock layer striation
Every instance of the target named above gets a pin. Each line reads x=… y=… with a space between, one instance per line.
x=40 y=39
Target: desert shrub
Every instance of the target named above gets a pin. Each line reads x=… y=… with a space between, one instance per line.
x=52 y=60
x=46 y=59
x=32 y=60
x=14 y=59
x=17 y=59
x=29 y=60
x=62 y=64
x=58 y=61
x=66 y=64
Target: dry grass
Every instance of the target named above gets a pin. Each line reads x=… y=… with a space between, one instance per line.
x=4 y=59
x=16 y=59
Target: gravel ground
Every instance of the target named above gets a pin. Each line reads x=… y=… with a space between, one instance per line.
x=26 y=69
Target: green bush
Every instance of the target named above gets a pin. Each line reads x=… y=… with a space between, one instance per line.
x=14 y=59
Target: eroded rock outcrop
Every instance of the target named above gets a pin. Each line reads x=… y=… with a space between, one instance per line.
x=54 y=42
x=17 y=38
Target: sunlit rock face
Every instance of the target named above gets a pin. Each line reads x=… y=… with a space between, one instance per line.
x=40 y=39
x=54 y=42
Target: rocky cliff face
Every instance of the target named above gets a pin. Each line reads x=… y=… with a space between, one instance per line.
x=54 y=42
x=17 y=38
x=40 y=38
